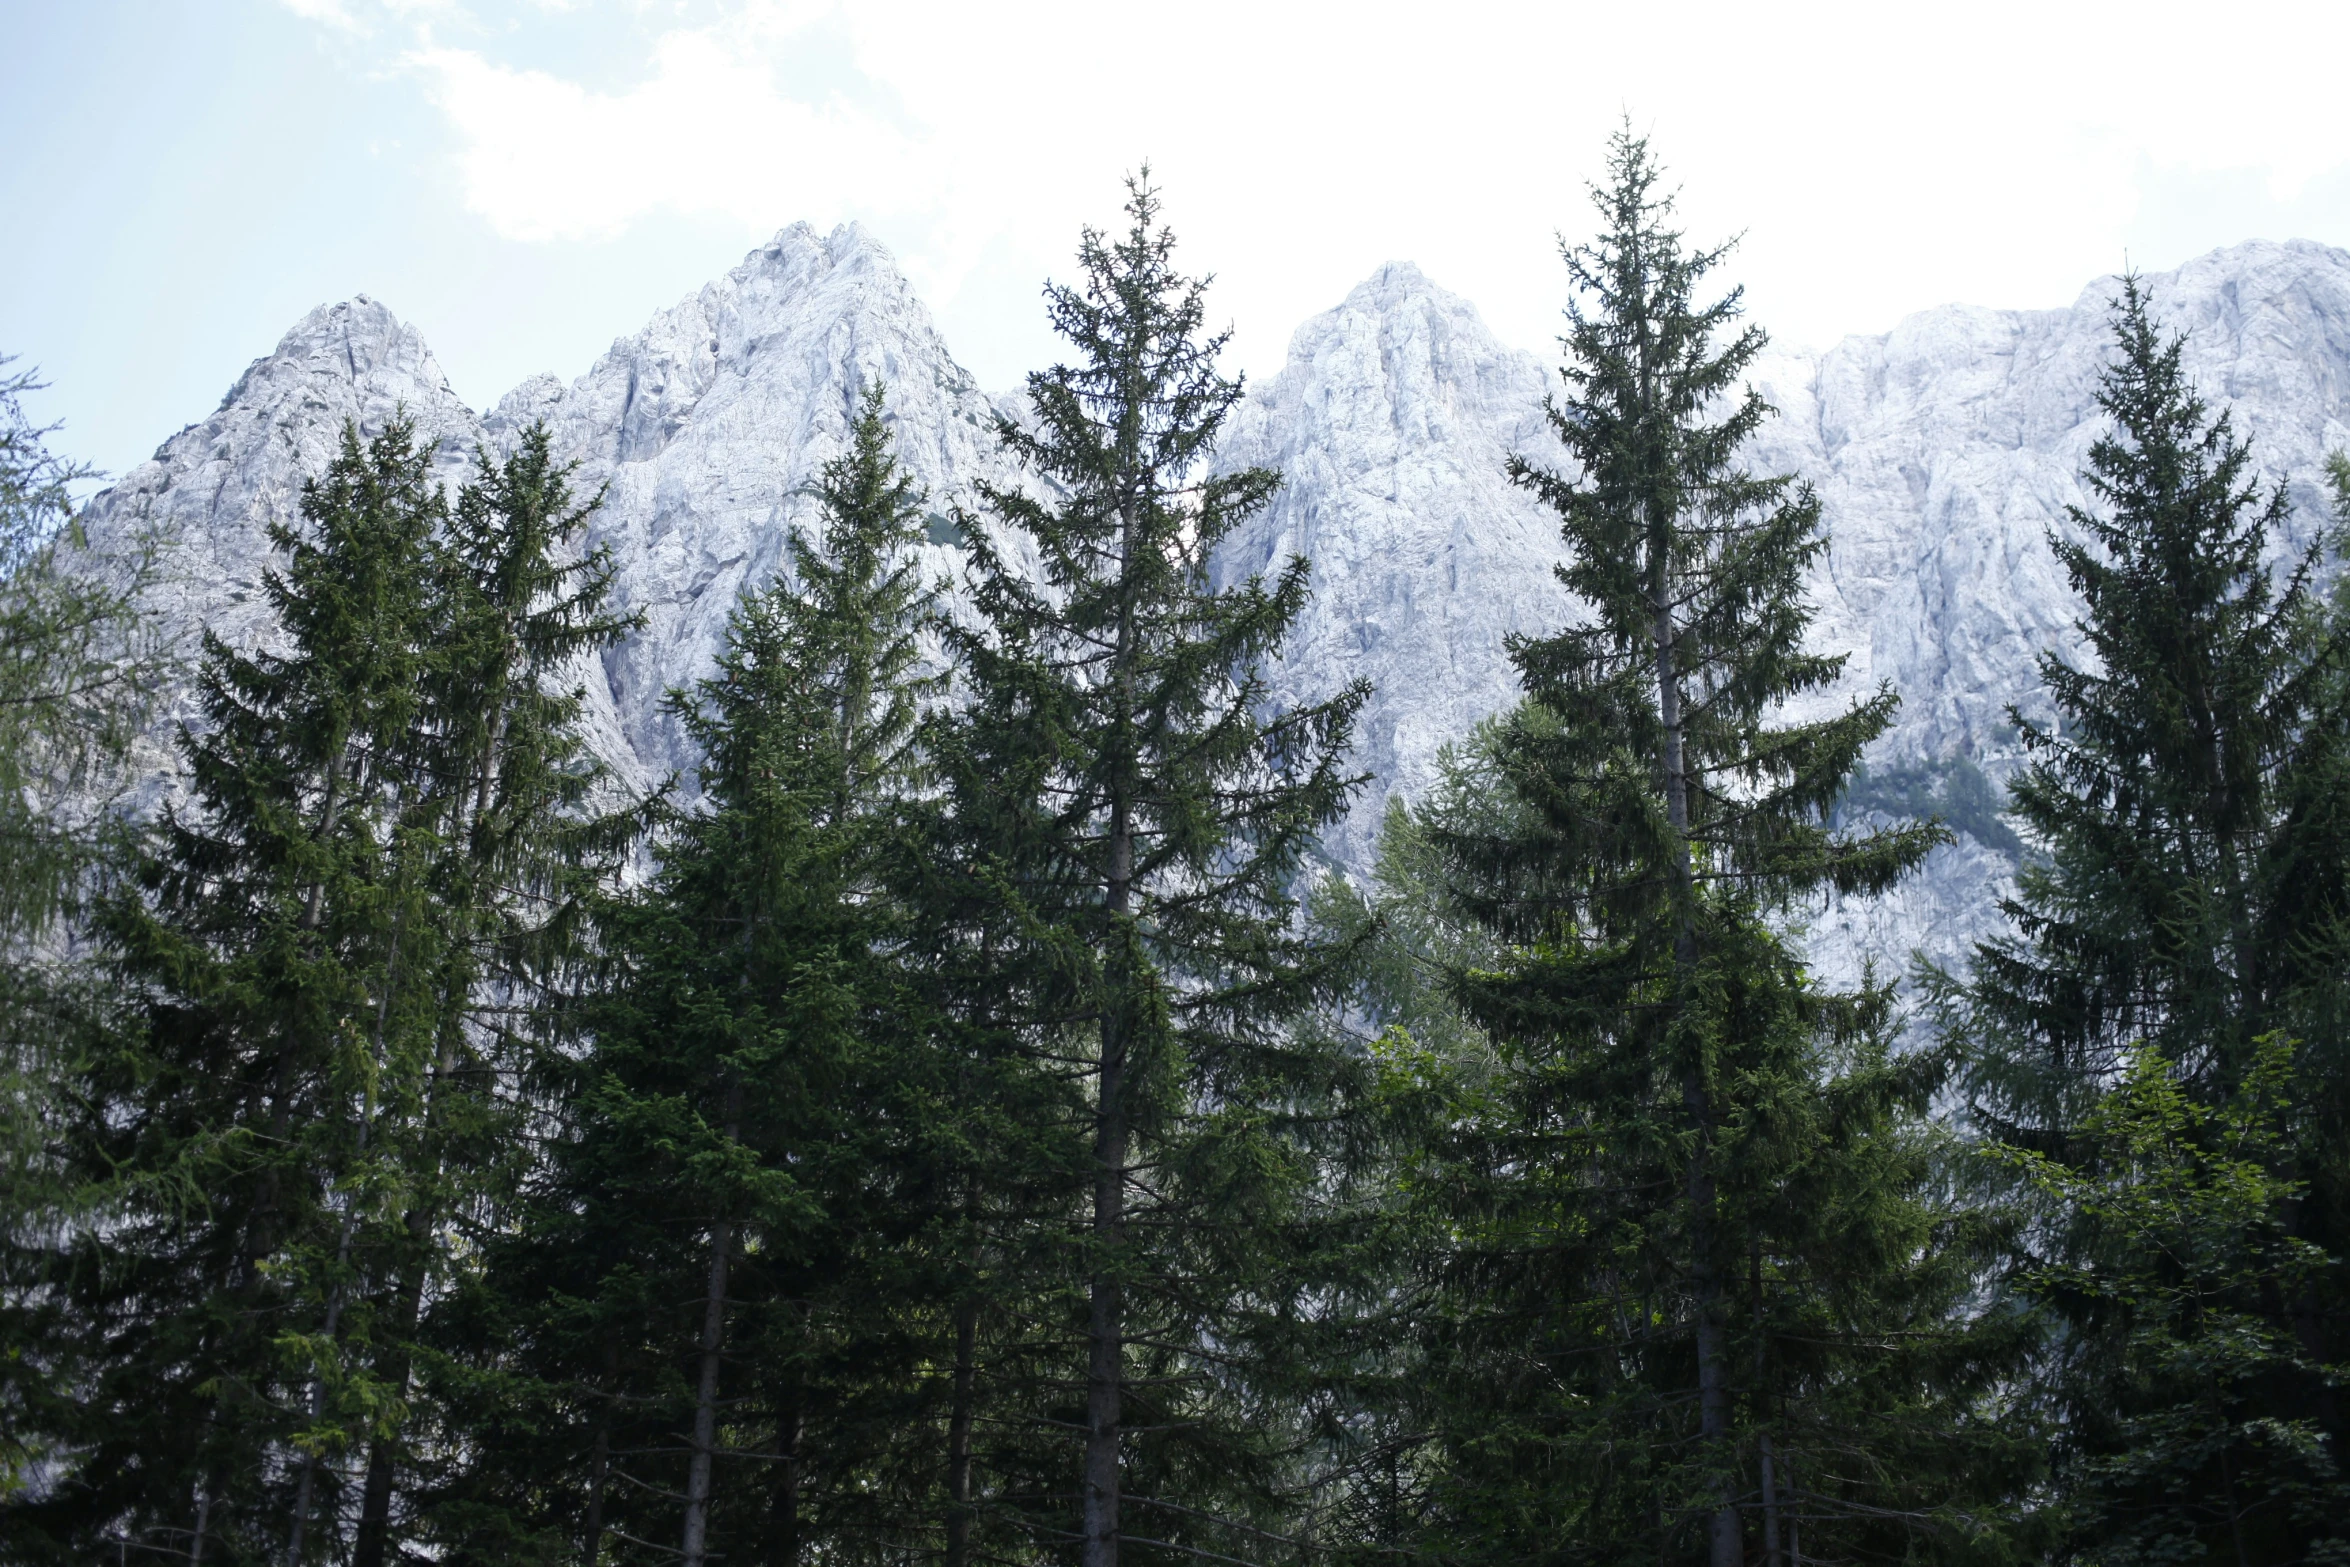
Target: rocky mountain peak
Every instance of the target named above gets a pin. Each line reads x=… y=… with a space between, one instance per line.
x=1392 y=423
x=1943 y=452
x=709 y=425
x=210 y=494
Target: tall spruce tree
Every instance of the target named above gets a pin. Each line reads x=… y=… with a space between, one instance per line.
x=276 y=962
x=1128 y=813
x=2186 y=904
x=2179 y=902
x=514 y=844
x=1694 y=1290
x=687 y=1277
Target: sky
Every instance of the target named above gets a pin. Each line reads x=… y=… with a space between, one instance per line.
x=525 y=180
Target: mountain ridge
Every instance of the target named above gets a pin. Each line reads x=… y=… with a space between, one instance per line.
x=1943 y=450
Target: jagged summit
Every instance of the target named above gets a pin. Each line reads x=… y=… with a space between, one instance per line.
x=708 y=425
x=1943 y=450
x=1392 y=422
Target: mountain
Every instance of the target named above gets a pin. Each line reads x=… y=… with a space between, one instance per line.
x=707 y=428
x=211 y=492
x=1942 y=452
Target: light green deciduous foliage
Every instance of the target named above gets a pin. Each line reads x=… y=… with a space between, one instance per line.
x=74 y=669
x=73 y=666
x=2175 y=1250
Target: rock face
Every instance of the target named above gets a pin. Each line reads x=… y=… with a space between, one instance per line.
x=708 y=427
x=1946 y=449
x=705 y=431
x=1942 y=451
x=211 y=492
x=1391 y=425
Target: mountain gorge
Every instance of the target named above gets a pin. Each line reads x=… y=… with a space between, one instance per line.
x=1942 y=452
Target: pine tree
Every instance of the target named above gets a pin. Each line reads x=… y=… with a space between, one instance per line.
x=699 y=1248
x=1128 y=817
x=2186 y=902
x=2178 y=903
x=277 y=965
x=514 y=845
x=1693 y=1266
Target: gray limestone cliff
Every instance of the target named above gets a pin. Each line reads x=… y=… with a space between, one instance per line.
x=1943 y=451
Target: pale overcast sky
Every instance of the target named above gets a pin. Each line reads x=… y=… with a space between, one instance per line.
x=527 y=179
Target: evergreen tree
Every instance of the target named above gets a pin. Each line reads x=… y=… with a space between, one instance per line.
x=692 y=1284
x=2186 y=903
x=1695 y=1287
x=2178 y=901
x=513 y=845
x=2178 y=1252
x=1127 y=816
x=206 y=1319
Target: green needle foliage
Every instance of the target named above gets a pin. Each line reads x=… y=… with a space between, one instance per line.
x=2186 y=908
x=977 y=1135
x=328 y=964
x=1695 y=1295
x=514 y=845
x=276 y=962
x=2190 y=896
x=1126 y=815
x=690 y=1300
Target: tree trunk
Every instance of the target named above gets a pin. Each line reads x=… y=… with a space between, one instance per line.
x=783 y=1508
x=335 y=1297
x=375 y=1508
x=959 y=1422
x=1106 y=1305
x=1105 y=1317
x=697 y=1474
x=1770 y=1479
x=2227 y=1475
x=1725 y=1547
x=600 y=1460
x=375 y=1503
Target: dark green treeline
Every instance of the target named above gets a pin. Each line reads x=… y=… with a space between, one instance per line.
x=962 y=1121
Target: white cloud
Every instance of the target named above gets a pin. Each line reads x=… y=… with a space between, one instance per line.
x=332 y=12
x=706 y=132
x=1879 y=158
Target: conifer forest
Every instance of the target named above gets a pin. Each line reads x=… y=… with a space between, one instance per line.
x=966 y=1120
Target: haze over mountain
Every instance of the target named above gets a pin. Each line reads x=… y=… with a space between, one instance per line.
x=1942 y=451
